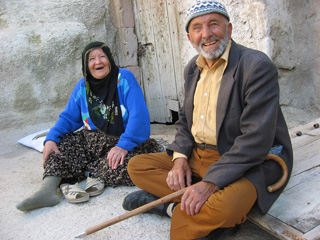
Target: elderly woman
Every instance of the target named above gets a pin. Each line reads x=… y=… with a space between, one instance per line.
x=109 y=107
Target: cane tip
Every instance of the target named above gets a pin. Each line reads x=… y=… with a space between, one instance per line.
x=81 y=235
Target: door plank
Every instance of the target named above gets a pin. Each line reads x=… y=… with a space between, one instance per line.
x=158 y=49
x=148 y=60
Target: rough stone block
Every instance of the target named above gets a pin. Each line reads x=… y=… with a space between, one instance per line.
x=136 y=72
x=127 y=46
x=121 y=13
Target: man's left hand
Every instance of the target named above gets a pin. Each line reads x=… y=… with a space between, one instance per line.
x=196 y=195
x=115 y=156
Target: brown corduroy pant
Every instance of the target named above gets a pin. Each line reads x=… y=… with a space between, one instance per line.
x=225 y=208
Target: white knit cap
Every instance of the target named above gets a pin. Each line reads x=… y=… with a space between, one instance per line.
x=204 y=7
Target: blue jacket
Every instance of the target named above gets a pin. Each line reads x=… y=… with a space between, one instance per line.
x=134 y=110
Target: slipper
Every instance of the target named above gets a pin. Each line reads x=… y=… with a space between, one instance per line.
x=74 y=193
x=94 y=186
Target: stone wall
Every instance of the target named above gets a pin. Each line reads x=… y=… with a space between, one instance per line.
x=294 y=32
x=42 y=41
x=126 y=44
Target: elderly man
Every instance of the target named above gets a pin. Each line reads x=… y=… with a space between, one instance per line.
x=229 y=122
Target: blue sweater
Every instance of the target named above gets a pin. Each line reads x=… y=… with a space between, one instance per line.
x=133 y=107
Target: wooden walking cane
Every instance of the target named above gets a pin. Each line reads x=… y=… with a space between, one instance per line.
x=134 y=212
x=177 y=194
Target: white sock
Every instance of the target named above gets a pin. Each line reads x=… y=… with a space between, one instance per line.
x=170 y=209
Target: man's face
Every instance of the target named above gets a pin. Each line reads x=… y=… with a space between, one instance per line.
x=209 y=35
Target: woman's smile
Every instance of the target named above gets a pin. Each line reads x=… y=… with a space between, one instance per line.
x=99 y=64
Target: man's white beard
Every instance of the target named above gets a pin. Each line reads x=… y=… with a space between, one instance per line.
x=214 y=53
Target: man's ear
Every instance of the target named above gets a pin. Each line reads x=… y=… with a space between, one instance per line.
x=230 y=29
x=188 y=35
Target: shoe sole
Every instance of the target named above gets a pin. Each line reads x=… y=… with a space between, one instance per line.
x=93 y=194
x=78 y=200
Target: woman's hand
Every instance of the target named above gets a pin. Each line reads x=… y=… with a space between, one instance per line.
x=196 y=195
x=49 y=147
x=116 y=155
x=180 y=174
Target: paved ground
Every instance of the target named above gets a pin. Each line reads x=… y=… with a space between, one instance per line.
x=21 y=175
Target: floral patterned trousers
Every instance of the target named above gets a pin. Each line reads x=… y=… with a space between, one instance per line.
x=86 y=151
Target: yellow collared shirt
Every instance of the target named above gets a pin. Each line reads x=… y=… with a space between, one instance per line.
x=205 y=100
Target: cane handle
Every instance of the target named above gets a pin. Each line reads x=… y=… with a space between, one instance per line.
x=277 y=185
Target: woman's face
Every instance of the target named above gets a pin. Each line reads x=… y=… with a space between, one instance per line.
x=99 y=64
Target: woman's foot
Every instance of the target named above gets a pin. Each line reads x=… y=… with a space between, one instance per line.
x=46 y=196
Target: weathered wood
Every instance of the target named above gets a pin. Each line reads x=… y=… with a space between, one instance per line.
x=306 y=138
x=156 y=57
x=153 y=90
x=299 y=206
x=307 y=176
x=173 y=105
x=272 y=225
x=159 y=56
x=296 y=214
x=304 y=128
x=173 y=15
x=313 y=234
x=306 y=157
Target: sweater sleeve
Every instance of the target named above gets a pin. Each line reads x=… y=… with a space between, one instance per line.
x=137 y=127
x=69 y=119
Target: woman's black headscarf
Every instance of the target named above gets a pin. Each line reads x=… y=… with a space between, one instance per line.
x=102 y=94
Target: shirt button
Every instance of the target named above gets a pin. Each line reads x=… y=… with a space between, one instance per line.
x=202 y=117
x=206 y=94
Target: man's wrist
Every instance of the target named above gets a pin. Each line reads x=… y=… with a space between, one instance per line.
x=211 y=185
x=179 y=158
x=178 y=155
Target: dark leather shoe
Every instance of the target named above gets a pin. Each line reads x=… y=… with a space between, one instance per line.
x=140 y=198
x=221 y=233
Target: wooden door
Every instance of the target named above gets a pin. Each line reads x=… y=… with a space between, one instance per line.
x=159 y=57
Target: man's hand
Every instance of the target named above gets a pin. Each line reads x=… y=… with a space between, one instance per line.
x=116 y=155
x=49 y=147
x=196 y=195
x=179 y=174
